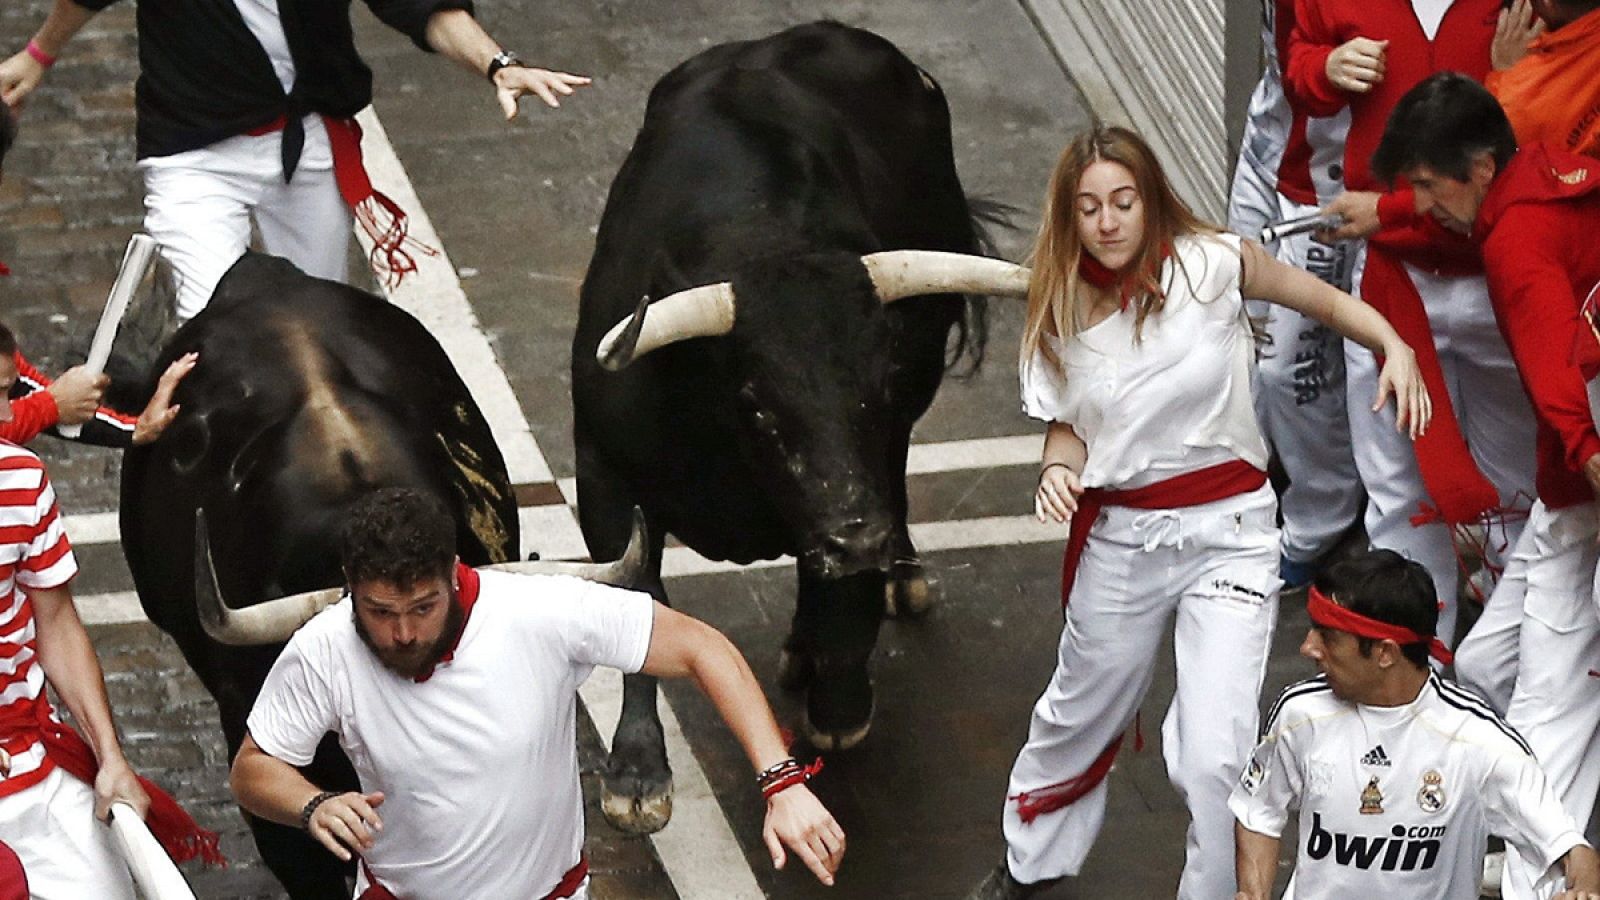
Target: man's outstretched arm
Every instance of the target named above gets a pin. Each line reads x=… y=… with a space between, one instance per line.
x=455 y=34
x=681 y=646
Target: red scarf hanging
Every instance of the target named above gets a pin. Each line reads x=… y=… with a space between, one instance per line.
x=1461 y=491
x=175 y=829
x=379 y=216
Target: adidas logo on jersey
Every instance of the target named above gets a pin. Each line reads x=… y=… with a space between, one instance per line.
x=1376 y=757
x=1405 y=848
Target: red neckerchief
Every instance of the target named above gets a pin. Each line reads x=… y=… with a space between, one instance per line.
x=467 y=594
x=1327 y=614
x=1103 y=277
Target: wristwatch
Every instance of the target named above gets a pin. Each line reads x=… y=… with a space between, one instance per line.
x=501 y=60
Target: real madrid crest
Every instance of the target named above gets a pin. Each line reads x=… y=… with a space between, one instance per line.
x=1431 y=795
x=1372 y=799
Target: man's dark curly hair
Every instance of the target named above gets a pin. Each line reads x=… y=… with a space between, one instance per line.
x=398 y=536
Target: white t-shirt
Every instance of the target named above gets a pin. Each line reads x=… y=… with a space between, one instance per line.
x=1398 y=801
x=478 y=764
x=1173 y=402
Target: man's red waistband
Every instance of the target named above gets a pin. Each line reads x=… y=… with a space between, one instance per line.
x=566 y=887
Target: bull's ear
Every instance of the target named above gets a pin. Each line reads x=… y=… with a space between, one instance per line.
x=619 y=353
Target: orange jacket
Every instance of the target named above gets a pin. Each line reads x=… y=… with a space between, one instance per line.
x=1553 y=94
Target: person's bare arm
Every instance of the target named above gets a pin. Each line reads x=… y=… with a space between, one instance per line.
x=1255 y=861
x=1060 y=468
x=21 y=73
x=455 y=34
x=681 y=647
x=276 y=791
x=1299 y=290
x=70 y=664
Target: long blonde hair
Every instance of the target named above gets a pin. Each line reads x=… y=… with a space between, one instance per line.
x=1053 y=290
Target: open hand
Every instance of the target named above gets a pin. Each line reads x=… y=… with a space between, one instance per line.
x=511 y=82
x=1401 y=379
x=797 y=819
x=1513 y=32
x=161 y=411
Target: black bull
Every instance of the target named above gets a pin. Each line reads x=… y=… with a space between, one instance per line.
x=774 y=165
x=308 y=394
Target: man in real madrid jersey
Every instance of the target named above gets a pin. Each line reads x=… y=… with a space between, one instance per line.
x=1398 y=776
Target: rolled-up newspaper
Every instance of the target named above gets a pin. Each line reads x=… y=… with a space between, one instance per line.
x=153 y=870
x=1277 y=231
x=136 y=262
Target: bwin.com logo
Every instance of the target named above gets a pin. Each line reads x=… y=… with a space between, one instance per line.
x=1406 y=849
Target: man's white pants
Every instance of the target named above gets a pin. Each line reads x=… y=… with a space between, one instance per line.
x=199 y=206
x=1215 y=566
x=1495 y=418
x=1299 y=388
x=66 y=852
x=1532 y=654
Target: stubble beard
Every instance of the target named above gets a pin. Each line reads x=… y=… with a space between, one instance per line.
x=418 y=659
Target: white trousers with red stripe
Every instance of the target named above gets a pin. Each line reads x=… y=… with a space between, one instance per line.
x=1215 y=567
x=1495 y=418
x=200 y=206
x=66 y=852
x=1299 y=387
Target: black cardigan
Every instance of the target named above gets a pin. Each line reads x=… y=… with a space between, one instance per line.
x=204 y=77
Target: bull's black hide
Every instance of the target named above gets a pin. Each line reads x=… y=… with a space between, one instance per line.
x=773 y=164
x=308 y=393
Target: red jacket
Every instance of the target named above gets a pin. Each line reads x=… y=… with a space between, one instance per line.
x=1537 y=227
x=1305 y=146
x=1461 y=44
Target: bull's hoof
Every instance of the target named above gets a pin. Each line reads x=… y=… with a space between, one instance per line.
x=839 y=709
x=645 y=813
x=906 y=592
x=836 y=739
x=795 y=670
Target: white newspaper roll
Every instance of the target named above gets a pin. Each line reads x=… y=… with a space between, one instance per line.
x=1277 y=231
x=136 y=262
x=153 y=870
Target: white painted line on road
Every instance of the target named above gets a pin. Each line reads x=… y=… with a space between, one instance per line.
x=681 y=562
x=698 y=830
x=552 y=532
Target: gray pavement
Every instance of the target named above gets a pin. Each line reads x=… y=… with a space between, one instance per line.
x=516 y=208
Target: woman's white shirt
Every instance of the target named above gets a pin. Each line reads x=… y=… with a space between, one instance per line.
x=1176 y=400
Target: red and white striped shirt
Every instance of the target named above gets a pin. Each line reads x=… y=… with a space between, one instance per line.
x=34 y=554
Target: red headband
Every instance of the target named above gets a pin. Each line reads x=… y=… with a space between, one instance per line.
x=1327 y=614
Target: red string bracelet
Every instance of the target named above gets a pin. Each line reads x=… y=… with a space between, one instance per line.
x=786 y=775
x=39 y=56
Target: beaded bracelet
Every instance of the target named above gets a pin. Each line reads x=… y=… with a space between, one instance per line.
x=311 y=807
x=39 y=56
x=784 y=775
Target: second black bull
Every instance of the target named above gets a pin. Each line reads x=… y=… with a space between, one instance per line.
x=790 y=213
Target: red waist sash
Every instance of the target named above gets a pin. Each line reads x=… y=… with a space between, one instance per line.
x=1206 y=485
x=566 y=887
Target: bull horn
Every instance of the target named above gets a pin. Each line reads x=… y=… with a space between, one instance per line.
x=271 y=622
x=274 y=621
x=906 y=273
x=704 y=311
x=626 y=572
